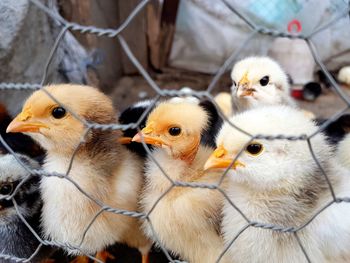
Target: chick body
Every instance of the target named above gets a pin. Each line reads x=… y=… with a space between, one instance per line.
x=186 y=220
x=67 y=212
x=101 y=167
x=283 y=186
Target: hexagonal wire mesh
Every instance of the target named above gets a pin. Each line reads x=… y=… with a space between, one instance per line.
x=115 y=33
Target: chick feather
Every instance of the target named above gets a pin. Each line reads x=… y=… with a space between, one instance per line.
x=192 y=215
x=103 y=168
x=281 y=184
x=343 y=151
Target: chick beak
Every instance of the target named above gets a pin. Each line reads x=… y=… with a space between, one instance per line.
x=244 y=88
x=125 y=140
x=140 y=137
x=217 y=160
x=145 y=136
x=24 y=123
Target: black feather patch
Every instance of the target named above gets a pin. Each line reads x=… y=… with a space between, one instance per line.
x=336 y=130
x=214 y=125
x=132 y=115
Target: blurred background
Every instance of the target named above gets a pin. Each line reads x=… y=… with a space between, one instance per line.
x=180 y=43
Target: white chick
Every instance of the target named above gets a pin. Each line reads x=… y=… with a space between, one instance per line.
x=278 y=182
x=186 y=220
x=259 y=81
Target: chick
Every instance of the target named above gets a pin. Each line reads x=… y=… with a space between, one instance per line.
x=192 y=215
x=278 y=182
x=259 y=81
x=16 y=238
x=102 y=167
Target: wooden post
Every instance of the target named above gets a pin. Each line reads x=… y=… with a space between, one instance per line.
x=161 y=20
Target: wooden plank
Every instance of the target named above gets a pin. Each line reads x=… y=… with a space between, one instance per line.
x=161 y=19
x=102 y=14
x=134 y=35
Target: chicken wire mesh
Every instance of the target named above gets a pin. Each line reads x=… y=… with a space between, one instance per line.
x=116 y=33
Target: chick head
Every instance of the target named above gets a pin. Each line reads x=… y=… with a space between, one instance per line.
x=268 y=164
x=27 y=197
x=54 y=126
x=259 y=80
x=176 y=127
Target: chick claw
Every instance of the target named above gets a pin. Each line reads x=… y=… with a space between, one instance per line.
x=103 y=256
x=80 y=259
x=145 y=258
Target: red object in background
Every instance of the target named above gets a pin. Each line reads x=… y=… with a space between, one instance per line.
x=294 y=24
x=297 y=94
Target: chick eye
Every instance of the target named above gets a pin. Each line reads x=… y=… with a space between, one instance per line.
x=174 y=131
x=58 y=112
x=234 y=83
x=264 y=81
x=254 y=148
x=6 y=189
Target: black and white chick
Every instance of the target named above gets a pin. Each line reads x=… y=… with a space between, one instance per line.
x=278 y=182
x=259 y=81
x=16 y=238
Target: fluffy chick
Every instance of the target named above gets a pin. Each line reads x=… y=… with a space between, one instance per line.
x=16 y=239
x=192 y=215
x=102 y=167
x=278 y=182
x=259 y=81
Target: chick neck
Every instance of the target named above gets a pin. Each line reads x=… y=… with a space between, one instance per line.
x=100 y=148
x=188 y=155
x=287 y=205
x=183 y=170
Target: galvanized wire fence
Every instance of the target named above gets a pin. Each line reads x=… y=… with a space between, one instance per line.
x=207 y=94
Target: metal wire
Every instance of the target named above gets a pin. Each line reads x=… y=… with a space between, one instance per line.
x=115 y=33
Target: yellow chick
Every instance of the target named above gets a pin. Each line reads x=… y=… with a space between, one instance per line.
x=102 y=167
x=186 y=220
